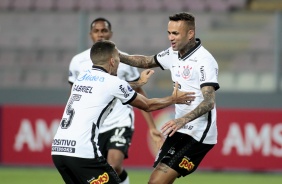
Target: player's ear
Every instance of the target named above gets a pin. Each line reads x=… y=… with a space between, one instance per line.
x=191 y=34
x=112 y=61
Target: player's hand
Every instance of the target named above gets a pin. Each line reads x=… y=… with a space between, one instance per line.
x=181 y=97
x=170 y=127
x=157 y=137
x=145 y=75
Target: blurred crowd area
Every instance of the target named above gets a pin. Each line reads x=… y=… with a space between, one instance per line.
x=38 y=38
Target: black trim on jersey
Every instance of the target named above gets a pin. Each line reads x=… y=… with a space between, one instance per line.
x=215 y=85
x=207 y=128
x=130 y=100
x=99 y=68
x=93 y=133
x=102 y=112
x=157 y=62
x=192 y=50
x=98 y=125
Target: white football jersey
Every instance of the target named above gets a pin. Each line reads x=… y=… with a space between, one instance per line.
x=121 y=115
x=93 y=96
x=195 y=69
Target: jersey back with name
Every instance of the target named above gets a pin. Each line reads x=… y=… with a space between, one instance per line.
x=121 y=115
x=93 y=96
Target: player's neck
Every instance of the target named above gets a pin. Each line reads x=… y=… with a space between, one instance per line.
x=188 y=47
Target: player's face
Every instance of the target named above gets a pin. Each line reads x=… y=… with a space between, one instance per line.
x=178 y=34
x=100 y=31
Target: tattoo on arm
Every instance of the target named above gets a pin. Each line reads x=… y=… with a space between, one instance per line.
x=139 y=61
x=205 y=106
x=136 y=84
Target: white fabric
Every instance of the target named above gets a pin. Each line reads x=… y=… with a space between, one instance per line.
x=121 y=115
x=93 y=96
x=194 y=70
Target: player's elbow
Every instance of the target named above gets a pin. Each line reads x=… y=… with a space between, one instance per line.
x=148 y=109
x=211 y=105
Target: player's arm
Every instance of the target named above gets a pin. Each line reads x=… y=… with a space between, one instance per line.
x=205 y=106
x=139 y=61
x=155 y=134
x=152 y=104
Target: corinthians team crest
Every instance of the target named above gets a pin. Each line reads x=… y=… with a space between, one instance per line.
x=187 y=72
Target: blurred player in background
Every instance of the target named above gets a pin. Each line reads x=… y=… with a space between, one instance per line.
x=117 y=130
x=193 y=132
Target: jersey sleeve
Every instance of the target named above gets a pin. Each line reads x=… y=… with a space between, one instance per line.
x=162 y=59
x=208 y=71
x=73 y=70
x=132 y=74
x=124 y=92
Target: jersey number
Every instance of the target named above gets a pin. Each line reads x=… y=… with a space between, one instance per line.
x=66 y=122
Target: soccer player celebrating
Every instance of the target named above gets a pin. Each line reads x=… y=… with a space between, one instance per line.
x=75 y=149
x=193 y=132
x=117 y=130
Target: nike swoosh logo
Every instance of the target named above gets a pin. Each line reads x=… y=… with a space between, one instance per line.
x=118 y=144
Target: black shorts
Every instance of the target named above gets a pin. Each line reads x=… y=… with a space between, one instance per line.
x=85 y=171
x=118 y=138
x=182 y=153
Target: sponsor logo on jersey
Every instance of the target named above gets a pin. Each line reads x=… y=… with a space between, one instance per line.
x=63 y=149
x=129 y=88
x=203 y=74
x=124 y=90
x=163 y=53
x=186 y=73
x=104 y=178
x=64 y=142
x=186 y=164
x=89 y=77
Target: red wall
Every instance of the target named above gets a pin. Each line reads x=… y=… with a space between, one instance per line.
x=248 y=139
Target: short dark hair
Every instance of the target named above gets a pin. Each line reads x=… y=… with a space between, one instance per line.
x=101 y=51
x=101 y=19
x=184 y=16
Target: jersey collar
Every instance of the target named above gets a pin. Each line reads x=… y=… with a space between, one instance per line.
x=191 y=51
x=99 y=68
